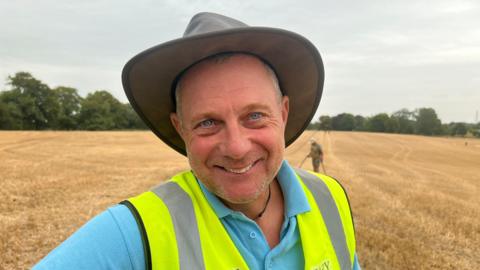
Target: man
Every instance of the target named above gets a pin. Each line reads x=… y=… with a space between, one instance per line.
x=316 y=154
x=229 y=97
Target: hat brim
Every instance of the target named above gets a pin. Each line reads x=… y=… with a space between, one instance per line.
x=147 y=78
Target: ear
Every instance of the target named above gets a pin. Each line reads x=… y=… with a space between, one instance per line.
x=176 y=123
x=285 y=108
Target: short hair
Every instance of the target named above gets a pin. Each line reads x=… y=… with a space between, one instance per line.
x=220 y=58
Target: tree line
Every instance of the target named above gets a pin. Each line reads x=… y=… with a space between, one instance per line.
x=29 y=104
x=422 y=121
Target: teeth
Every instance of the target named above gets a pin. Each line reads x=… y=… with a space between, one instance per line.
x=243 y=170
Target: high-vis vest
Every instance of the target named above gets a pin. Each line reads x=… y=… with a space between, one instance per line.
x=180 y=229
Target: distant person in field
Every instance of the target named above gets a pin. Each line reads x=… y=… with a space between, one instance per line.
x=230 y=98
x=316 y=154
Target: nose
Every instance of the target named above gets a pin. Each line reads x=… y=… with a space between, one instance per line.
x=236 y=142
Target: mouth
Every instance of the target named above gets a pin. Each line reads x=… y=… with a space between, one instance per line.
x=239 y=170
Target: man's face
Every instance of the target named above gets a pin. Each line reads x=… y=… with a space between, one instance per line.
x=232 y=123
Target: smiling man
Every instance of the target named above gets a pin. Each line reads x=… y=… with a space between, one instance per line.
x=231 y=98
x=232 y=120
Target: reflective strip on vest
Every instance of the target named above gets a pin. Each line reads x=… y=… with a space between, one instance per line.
x=184 y=223
x=182 y=213
x=330 y=215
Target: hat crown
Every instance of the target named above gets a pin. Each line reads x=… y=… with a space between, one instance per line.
x=206 y=22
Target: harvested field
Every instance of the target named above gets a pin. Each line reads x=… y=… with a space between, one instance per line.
x=415 y=199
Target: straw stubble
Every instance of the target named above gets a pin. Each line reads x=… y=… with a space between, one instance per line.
x=414 y=199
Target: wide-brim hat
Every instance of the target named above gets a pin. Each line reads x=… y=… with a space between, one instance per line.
x=149 y=78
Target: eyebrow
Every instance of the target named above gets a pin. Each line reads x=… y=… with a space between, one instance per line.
x=257 y=106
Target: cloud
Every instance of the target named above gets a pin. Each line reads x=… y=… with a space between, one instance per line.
x=396 y=53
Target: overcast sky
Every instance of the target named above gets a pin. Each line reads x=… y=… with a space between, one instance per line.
x=379 y=56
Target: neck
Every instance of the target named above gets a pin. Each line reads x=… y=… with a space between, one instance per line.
x=271 y=221
x=266 y=204
x=257 y=208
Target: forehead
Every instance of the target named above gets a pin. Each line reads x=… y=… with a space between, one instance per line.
x=240 y=75
x=213 y=66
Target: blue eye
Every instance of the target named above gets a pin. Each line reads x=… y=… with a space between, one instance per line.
x=255 y=116
x=206 y=123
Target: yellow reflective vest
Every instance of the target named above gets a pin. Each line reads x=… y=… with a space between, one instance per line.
x=180 y=230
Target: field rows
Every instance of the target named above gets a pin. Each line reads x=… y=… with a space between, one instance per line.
x=415 y=199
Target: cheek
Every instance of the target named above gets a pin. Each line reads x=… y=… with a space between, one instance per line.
x=199 y=149
x=273 y=142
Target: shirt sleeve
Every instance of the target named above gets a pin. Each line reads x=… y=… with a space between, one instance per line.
x=110 y=240
x=356 y=265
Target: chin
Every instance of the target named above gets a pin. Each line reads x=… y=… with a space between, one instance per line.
x=241 y=199
x=243 y=194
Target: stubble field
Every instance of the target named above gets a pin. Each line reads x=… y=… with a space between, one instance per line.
x=415 y=199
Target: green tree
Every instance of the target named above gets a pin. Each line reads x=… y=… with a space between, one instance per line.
x=427 y=122
x=313 y=126
x=101 y=111
x=359 y=123
x=378 y=123
x=10 y=114
x=34 y=99
x=133 y=120
x=69 y=103
x=475 y=129
x=392 y=125
x=446 y=129
x=325 y=122
x=343 y=121
x=405 y=120
x=458 y=129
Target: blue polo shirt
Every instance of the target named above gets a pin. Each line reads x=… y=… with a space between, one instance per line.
x=112 y=240
x=246 y=234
